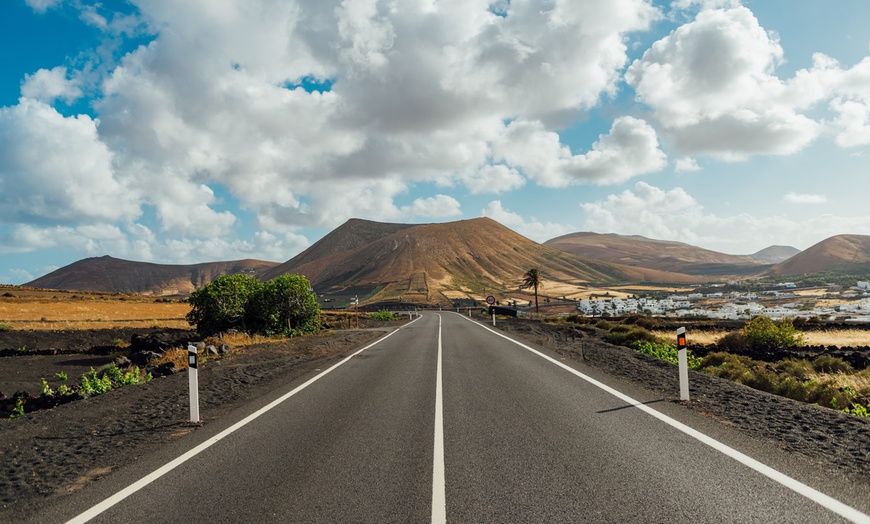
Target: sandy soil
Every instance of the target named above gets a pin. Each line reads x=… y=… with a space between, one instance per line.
x=50 y=453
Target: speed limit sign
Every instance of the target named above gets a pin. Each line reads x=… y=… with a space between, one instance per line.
x=490 y=300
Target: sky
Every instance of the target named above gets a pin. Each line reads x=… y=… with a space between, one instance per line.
x=204 y=130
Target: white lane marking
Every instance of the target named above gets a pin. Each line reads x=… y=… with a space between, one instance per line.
x=439 y=498
x=816 y=496
x=169 y=466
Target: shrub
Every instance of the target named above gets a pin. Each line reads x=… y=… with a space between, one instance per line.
x=734 y=340
x=383 y=315
x=829 y=364
x=6 y=327
x=627 y=335
x=220 y=305
x=795 y=367
x=285 y=305
x=764 y=333
x=662 y=350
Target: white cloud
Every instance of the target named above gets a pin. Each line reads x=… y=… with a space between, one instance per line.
x=494 y=179
x=439 y=206
x=686 y=164
x=630 y=149
x=41 y=6
x=712 y=86
x=55 y=169
x=398 y=113
x=49 y=85
x=140 y=243
x=798 y=198
x=16 y=276
x=532 y=229
x=675 y=215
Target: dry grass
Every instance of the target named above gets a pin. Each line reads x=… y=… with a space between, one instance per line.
x=832 y=337
x=91 y=312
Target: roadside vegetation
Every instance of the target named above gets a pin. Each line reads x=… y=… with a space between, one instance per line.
x=94 y=382
x=283 y=306
x=824 y=380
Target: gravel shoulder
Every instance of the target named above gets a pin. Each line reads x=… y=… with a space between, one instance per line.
x=49 y=454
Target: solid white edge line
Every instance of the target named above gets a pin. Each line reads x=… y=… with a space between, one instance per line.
x=813 y=494
x=439 y=497
x=169 y=466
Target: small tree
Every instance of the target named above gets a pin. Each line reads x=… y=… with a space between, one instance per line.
x=532 y=279
x=763 y=333
x=221 y=305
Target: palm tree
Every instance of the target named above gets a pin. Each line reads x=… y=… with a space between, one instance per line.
x=532 y=279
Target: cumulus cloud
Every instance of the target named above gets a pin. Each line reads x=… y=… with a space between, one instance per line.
x=49 y=85
x=532 y=228
x=494 y=179
x=675 y=215
x=55 y=169
x=138 y=242
x=439 y=206
x=711 y=84
x=686 y=164
x=799 y=198
x=630 y=149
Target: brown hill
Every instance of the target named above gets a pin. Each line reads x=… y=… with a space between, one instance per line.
x=419 y=263
x=114 y=275
x=841 y=253
x=775 y=254
x=662 y=255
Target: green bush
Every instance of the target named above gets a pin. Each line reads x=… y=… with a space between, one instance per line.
x=626 y=335
x=786 y=378
x=829 y=364
x=764 y=333
x=285 y=305
x=383 y=315
x=796 y=367
x=6 y=327
x=734 y=341
x=221 y=305
x=662 y=350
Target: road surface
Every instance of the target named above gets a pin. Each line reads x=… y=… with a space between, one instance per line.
x=447 y=420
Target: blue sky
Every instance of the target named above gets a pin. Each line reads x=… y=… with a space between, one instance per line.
x=185 y=132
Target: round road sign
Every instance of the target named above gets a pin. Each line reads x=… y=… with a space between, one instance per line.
x=490 y=300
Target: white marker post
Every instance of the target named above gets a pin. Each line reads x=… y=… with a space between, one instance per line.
x=193 y=381
x=683 y=360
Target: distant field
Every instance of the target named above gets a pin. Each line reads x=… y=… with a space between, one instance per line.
x=90 y=311
x=831 y=337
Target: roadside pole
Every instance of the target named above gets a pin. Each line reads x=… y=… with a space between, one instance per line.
x=193 y=382
x=683 y=361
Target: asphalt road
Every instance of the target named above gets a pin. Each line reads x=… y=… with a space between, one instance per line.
x=525 y=437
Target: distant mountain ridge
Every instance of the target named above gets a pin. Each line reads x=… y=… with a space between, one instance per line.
x=841 y=253
x=430 y=263
x=663 y=255
x=429 y=259
x=115 y=275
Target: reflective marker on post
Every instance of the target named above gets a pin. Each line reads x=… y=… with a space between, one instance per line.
x=193 y=381
x=683 y=361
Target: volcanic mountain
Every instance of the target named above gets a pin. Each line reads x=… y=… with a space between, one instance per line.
x=115 y=275
x=841 y=253
x=420 y=262
x=638 y=251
